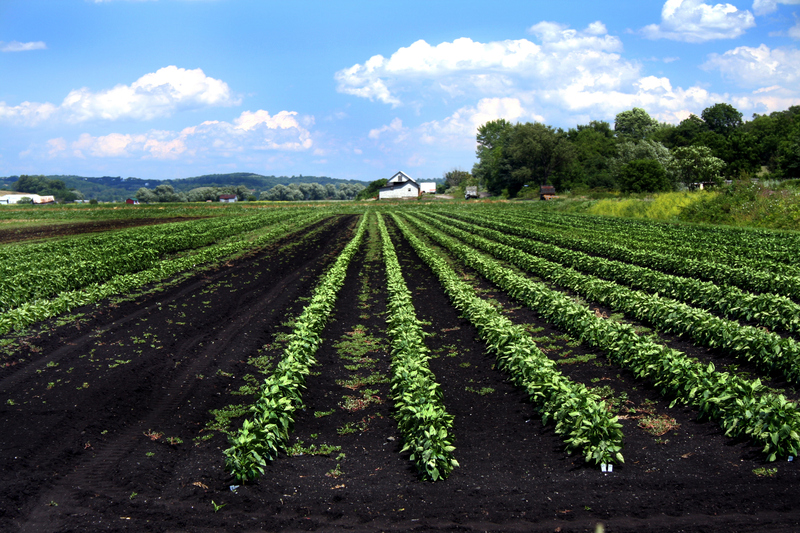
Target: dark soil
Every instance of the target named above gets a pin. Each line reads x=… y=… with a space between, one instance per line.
x=88 y=410
x=62 y=230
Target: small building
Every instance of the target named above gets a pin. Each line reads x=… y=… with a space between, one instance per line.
x=132 y=201
x=428 y=187
x=547 y=192
x=227 y=198
x=399 y=186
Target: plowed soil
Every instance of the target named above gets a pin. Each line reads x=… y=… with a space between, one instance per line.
x=76 y=228
x=103 y=420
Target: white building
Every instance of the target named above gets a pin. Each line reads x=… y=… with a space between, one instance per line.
x=399 y=186
x=428 y=187
x=14 y=198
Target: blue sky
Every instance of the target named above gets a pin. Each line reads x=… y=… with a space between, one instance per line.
x=360 y=89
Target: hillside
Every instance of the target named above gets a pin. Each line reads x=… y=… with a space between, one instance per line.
x=108 y=188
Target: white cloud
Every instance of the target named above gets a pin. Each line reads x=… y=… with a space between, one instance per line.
x=758 y=67
x=157 y=94
x=396 y=126
x=765 y=7
x=250 y=131
x=794 y=31
x=694 y=21
x=464 y=68
x=16 y=46
x=460 y=128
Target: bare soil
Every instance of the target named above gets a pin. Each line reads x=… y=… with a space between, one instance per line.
x=76 y=228
x=91 y=409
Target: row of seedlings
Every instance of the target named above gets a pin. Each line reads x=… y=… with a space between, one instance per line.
x=424 y=423
x=768 y=351
x=582 y=419
x=45 y=308
x=744 y=408
x=744 y=277
x=769 y=310
x=263 y=436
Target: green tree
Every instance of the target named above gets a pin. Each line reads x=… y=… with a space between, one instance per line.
x=635 y=124
x=643 y=175
x=722 y=118
x=536 y=153
x=455 y=177
x=371 y=190
x=692 y=164
x=594 y=145
x=493 y=168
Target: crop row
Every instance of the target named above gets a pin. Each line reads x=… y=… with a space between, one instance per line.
x=266 y=433
x=28 y=272
x=581 y=417
x=742 y=407
x=758 y=244
x=43 y=308
x=665 y=239
x=421 y=417
x=768 y=310
x=767 y=350
x=743 y=277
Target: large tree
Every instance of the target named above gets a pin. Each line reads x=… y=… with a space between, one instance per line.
x=693 y=164
x=635 y=124
x=492 y=168
x=722 y=118
x=536 y=152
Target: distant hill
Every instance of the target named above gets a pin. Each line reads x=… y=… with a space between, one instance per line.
x=108 y=188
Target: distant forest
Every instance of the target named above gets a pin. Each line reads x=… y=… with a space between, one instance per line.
x=109 y=188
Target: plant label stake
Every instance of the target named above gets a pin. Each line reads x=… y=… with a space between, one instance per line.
x=606 y=467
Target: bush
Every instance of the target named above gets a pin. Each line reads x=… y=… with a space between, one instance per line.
x=643 y=175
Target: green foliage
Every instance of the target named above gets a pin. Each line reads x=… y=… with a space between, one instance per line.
x=424 y=424
x=692 y=164
x=371 y=190
x=265 y=434
x=743 y=408
x=581 y=418
x=635 y=124
x=643 y=175
x=722 y=118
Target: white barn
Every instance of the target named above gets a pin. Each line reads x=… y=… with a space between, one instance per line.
x=399 y=186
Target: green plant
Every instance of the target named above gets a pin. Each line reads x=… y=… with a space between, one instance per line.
x=765 y=472
x=217 y=506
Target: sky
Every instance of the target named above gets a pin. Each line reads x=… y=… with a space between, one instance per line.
x=166 y=89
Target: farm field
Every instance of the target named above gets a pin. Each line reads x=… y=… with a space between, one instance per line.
x=446 y=333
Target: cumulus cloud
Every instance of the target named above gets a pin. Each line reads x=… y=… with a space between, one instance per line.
x=250 y=131
x=463 y=68
x=765 y=7
x=694 y=21
x=758 y=67
x=157 y=94
x=460 y=128
x=16 y=46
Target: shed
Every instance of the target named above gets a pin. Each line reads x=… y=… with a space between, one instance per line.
x=132 y=201
x=547 y=192
x=227 y=198
x=401 y=185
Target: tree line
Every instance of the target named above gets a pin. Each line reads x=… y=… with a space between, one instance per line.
x=639 y=154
